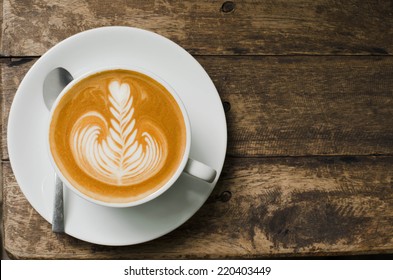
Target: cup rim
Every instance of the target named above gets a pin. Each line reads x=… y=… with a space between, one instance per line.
x=180 y=167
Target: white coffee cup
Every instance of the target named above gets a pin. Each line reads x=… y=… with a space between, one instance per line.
x=188 y=165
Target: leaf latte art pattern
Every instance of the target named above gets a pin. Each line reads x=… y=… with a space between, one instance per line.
x=113 y=151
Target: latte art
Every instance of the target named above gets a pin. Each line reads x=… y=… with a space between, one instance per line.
x=117 y=136
x=119 y=159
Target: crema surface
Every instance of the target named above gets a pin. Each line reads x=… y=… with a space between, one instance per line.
x=117 y=135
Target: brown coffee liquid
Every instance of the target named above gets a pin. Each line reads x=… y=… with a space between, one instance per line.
x=117 y=136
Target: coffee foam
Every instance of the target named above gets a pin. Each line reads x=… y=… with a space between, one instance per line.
x=120 y=158
x=117 y=135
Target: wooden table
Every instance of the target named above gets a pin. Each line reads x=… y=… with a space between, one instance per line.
x=307 y=87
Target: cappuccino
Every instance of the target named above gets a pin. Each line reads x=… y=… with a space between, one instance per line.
x=117 y=135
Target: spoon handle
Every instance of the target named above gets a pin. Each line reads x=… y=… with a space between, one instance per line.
x=58 y=211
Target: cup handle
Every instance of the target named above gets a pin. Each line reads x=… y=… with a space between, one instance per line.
x=200 y=170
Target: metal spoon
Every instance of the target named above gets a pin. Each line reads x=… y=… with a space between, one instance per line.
x=54 y=83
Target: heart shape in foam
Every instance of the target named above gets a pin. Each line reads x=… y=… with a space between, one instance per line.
x=112 y=151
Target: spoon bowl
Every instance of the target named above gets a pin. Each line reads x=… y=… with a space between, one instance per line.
x=54 y=83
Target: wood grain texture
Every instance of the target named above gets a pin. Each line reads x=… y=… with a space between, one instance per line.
x=1 y=129
x=3 y=255
x=288 y=106
x=299 y=106
x=202 y=27
x=1 y=24
x=261 y=207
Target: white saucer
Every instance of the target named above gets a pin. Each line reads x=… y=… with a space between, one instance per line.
x=99 y=48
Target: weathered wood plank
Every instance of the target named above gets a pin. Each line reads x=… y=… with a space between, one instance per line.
x=1 y=126
x=262 y=207
x=3 y=256
x=202 y=27
x=1 y=24
x=306 y=105
x=294 y=106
